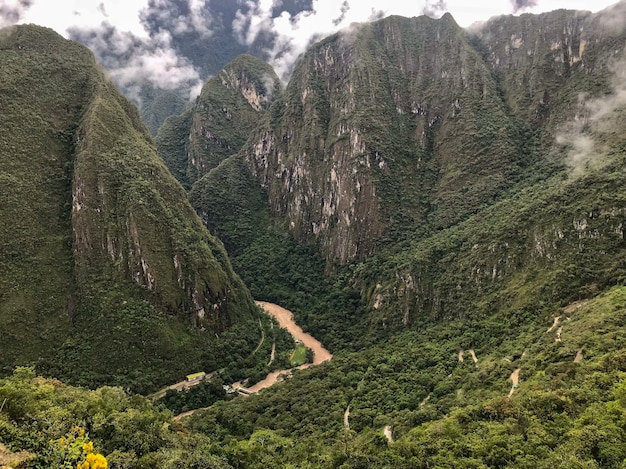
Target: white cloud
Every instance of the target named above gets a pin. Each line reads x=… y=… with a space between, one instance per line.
x=294 y=33
x=596 y=116
x=11 y=11
x=62 y=15
x=156 y=59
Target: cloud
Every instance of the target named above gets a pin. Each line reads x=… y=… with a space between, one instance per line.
x=434 y=9
x=595 y=123
x=613 y=19
x=255 y=17
x=292 y=33
x=176 y=31
x=520 y=5
x=178 y=17
x=12 y=11
x=345 y=8
x=134 y=62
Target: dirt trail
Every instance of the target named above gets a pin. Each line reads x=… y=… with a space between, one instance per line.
x=186 y=414
x=273 y=354
x=579 y=356
x=558 y=334
x=515 y=380
x=388 y=434
x=554 y=324
x=181 y=385
x=461 y=352
x=262 y=339
x=471 y=351
x=425 y=401
x=576 y=306
x=346 y=418
x=9 y=459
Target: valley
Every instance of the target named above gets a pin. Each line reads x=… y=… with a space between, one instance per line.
x=285 y=320
x=441 y=209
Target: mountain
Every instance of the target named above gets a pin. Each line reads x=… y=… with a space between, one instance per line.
x=203 y=36
x=227 y=110
x=108 y=274
x=444 y=209
x=421 y=162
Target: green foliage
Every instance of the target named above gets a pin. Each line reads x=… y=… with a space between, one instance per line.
x=299 y=355
x=52 y=420
x=108 y=276
x=562 y=412
x=227 y=110
x=159 y=104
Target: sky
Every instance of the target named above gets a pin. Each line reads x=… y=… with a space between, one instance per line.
x=114 y=27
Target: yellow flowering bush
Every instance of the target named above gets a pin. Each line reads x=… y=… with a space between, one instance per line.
x=75 y=451
x=94 y=461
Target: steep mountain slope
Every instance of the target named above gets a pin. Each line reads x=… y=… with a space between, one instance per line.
x=546 y=64
x=108 y=275
x=489 y=319
x=473 y=394
x=557 y=238
x=227 y=110
x=427 y=161
x=394 y=127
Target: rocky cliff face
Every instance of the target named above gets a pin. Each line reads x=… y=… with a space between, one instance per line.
x=227 y=110
x=550 y=242
x=408 y=125
x=381 y=128
x=430 y=157
x=547 y=63
x=108 y=264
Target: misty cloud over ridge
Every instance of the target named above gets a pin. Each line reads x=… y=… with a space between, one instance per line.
x=583 y=136
x=12 y=11
x=134 y=62
x=178 y=44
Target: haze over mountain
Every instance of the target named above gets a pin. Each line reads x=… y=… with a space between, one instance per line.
x=161 y=52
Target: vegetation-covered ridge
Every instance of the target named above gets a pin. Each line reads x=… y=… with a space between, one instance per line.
x=545 y=392
x=227 y=110
x=550 y=391
x=108 y=274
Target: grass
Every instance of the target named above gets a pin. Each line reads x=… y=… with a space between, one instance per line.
x=298 y=357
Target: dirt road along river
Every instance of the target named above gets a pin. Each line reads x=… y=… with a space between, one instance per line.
x=285 y=319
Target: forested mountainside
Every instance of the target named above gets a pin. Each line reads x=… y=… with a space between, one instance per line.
x=433 y=171
x=227 y=110
x=108 y=276
x=444 y=209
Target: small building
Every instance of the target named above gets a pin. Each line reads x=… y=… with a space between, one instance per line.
x=192 y=378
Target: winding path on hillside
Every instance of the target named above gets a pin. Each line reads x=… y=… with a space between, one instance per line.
x=285 y=319
x=387 y=431
x=262 y=338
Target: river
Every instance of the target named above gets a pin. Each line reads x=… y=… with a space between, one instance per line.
x=284 y=317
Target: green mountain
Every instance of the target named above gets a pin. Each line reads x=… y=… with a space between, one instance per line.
x=227 y=110
x=108 y=275
x=443 y=209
